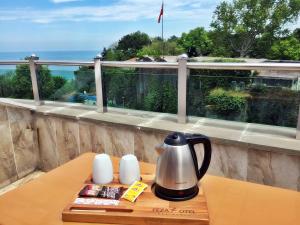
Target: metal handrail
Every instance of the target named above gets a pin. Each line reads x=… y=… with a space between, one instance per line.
x=64 y=63
x=165 y=65
x=245 y=66
x=13 y=62
x=158 y=65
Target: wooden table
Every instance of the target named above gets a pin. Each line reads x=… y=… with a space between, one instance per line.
x=230 y=202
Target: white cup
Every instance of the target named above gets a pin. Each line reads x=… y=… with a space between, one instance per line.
x=102 y=169
x=129 y=170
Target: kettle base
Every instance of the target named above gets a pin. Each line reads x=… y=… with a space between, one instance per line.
x=175 y=195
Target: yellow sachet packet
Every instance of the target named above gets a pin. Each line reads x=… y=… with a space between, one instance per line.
x=134 y=191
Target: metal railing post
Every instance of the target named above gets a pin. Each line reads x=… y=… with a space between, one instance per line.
x=298 y=126
x=34 y=80
x=101 y=107
x=182 y=88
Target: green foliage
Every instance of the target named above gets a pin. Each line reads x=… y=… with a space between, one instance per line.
x=85 y=79
x=296 y=33
x=58 y=82
x=196 y=42
x=238 y=25
x=287 y=49
x=130 y=43
x=111 y=54
x=173 y=38
x=46 y=82
x=273 y=105
x=22 y=82
x=155 y=49
x=137 y=89
x=65 y=91
x=227 y=102
x=120 y=87
x=161 y=96
x=151 y=50
x=6 y=88
x=18 y=84
x=127 y=47
x=201 y=82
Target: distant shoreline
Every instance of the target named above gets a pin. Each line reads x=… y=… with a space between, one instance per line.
x=68 y=75
x=65 y=71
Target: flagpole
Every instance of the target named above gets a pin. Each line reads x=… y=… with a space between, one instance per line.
x=162 y=30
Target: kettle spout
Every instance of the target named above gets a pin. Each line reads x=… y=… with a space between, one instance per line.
x=159 y=149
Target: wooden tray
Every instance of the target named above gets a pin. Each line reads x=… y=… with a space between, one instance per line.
x=148 y=209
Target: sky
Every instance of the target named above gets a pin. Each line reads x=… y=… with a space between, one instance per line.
x=42 y=25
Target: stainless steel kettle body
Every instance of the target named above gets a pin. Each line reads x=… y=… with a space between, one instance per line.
x=175 y=168
x=177 y=172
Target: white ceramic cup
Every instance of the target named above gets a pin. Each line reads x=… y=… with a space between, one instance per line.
x=102 y=169
x=129 y=170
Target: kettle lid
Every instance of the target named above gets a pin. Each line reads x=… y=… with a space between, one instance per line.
x=176 y=139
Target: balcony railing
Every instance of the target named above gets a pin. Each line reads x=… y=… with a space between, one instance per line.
x=183 y=68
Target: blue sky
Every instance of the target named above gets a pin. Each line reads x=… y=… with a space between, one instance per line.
x=33 y=25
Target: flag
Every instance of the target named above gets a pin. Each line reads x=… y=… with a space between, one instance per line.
x=161 y=13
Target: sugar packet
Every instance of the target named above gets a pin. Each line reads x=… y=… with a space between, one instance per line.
x=134 y=191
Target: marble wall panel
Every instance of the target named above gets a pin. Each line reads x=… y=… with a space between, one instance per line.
x=226 y=161
x=67 y=137
x=24 y=140
x=286 y=170
x=46 y=131
x=91 y=137
x=85 y=137
x=18 y=114
x=275 y=169
x=259 y=167
x=8 y=171
x=118 y=140
x=3 y=114
x=145 y=142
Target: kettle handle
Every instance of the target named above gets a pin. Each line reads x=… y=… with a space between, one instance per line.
x=197 y=139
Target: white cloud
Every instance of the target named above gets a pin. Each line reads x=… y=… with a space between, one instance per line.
x=122 y=10
x=63 y=1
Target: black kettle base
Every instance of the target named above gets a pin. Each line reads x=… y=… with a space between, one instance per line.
x=175 y=195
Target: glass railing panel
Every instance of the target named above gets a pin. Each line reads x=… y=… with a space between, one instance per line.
x=67 y=84
x=244 y=96
x=141 y=89
x=15 y=82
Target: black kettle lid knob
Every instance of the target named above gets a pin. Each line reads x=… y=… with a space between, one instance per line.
x=176 y=139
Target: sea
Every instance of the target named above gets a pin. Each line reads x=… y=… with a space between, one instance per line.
x=65 y=71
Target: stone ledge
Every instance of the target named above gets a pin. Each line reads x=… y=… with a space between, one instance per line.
x=263 y=137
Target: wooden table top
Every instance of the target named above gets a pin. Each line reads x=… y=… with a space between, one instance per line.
x=230 y=202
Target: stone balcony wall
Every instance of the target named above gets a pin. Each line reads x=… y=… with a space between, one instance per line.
x=31 y=140
x=19 y=153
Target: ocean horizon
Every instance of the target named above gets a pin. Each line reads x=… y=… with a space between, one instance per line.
x=65 y=71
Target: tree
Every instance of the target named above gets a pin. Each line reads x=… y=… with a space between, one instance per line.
x=6 y=88
x=287 y=49
x=120 y=87
x=173 y=38
x=104 y=53
x=85 y=79
x=131 y=43
x=196 y=42
x=21 y=81
x=296 y=33
x=238 y=25
x=155 y=49
x=161 y=95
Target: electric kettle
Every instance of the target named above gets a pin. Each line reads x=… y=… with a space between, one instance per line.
x=177 y=172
